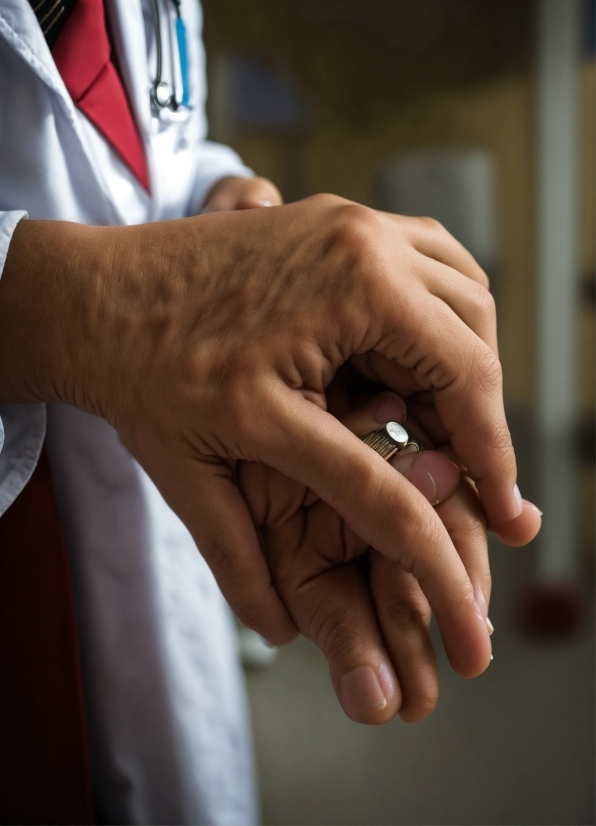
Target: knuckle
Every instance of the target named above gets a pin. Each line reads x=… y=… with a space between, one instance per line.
x=336 y=637
x=352 y=229
x=405 y=614
x=467 y=519
x=325 y=206
x=483 y=302
x=487 y=379
x=483 y=278
x=352 y=244
x=502 y=445
x=471 y=534
x=326 y=200
x=425 y=535
x=487 y=367
x=430 y=224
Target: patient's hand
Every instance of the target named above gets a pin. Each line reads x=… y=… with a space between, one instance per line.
x=241 y=193
x=367 y=612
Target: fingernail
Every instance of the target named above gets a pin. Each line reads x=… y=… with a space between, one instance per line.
x=490 y=626
x=361 y=691
x=491 y=658
x=391 y=409
x=535 y=507
x=481 y=601
x=518 y=500
x=386 y=680
x=264 y=202
x=435 y=476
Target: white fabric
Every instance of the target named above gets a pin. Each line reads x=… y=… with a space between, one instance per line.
x=163 y=687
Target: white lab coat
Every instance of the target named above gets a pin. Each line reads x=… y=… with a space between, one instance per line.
x=163 y=688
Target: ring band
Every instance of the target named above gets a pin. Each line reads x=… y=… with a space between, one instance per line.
x=390 y=439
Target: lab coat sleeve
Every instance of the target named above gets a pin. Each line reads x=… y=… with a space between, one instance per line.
x=22 y=426
x=214 y=161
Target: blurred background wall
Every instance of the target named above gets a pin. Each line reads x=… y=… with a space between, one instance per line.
x=391 y=102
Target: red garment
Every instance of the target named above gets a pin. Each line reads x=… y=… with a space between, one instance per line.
x=44 y=770
x=83 y=56
x=44 y=763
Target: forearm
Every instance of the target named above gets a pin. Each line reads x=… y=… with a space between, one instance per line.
x=52 y=271
x=87 y=314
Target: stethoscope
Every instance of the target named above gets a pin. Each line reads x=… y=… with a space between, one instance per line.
x=163 y=94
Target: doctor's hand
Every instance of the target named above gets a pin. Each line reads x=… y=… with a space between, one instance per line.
x=208 y=340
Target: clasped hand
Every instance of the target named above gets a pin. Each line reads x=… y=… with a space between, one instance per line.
x=365 y=610
x=212 y=341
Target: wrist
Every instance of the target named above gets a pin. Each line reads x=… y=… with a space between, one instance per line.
x=52 y=270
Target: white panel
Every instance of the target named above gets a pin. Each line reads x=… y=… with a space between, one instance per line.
x=455 y=186
x=558 y=56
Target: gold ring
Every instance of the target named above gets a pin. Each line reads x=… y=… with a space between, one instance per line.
x=390 y=439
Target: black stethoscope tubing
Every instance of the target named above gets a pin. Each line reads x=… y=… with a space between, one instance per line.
x=158 y=46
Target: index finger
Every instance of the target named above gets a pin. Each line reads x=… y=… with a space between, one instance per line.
x=445 y=356
x=472 y=412
x=432 y=239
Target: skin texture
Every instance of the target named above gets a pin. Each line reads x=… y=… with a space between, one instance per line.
x=213 y=340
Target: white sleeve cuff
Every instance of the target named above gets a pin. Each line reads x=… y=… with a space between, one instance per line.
x=22 y=426
x=8 y=224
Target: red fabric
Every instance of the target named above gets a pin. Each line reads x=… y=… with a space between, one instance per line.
x=44 y=771
x=82 y=54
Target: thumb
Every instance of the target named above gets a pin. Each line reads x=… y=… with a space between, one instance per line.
x=241 y=193
x=206 y=499
x=435 y=476
x=259 y=192
x=335 y=609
